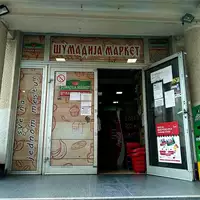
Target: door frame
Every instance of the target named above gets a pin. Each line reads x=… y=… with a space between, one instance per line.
x=47 y=169
x=171 y=172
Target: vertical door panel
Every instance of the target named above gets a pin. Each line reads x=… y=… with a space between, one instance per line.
x=27 y=151
x=71 y=141
x=169 y=150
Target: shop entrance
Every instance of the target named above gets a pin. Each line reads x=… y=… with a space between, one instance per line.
x=57 y=129
x=120 y=124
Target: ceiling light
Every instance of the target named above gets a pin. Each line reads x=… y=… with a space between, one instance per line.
x=60 y=59
x=132 y=60
x=100 y=93
x=187 y=18
x=3 y=10
x=115 y=102
x=119 y=92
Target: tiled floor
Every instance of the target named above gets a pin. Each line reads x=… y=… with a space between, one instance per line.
x=87 y=186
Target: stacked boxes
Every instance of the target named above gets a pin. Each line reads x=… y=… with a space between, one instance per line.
x=196 y=120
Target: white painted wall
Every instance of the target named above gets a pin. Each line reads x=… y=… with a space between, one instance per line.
x=8 y=98
x=3 y=39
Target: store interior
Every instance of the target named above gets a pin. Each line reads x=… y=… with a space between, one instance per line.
x=120 y=110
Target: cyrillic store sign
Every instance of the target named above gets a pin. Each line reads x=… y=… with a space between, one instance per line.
x=96 y=49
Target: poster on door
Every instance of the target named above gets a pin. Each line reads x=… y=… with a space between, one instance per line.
x=169 y=149
x=168 y=142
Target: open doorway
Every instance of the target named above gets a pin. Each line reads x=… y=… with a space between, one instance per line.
x=120 y=110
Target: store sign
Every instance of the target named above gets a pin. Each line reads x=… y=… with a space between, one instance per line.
x=168 y=142
x=83 y=86
x=96 y=49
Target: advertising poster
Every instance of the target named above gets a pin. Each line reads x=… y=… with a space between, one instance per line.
x=25 y=150
x=168 y=142
x=33 y=47
x=175 y=85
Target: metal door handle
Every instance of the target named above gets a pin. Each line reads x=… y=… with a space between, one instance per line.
x=46 y=159
x=182 y=111
x=87 y=119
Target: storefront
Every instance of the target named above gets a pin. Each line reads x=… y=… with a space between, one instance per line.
x=58 y=104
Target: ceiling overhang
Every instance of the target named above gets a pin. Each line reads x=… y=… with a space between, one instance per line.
x=137 y=17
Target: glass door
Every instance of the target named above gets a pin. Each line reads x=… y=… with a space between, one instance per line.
x=71 y=135
x=168 y=135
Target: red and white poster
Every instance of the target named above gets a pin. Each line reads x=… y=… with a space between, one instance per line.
x=167 y=128
x=168 y=142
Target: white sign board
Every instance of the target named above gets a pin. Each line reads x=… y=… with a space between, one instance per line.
x=61 y=78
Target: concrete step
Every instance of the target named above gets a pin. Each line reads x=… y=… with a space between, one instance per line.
x=113 y=198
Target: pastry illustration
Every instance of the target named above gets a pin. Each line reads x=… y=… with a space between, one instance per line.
x=74 y=111
x=68 y=164
x=26 y=168
x=19 y=164
x=64 y=118
x=79 y=145
x=60 y=152
x=90 y=155
x=53 y=123
x=90 y=75
x=18 y=145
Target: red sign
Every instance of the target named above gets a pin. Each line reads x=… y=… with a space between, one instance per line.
x=60 y=78
x=167 y=128
x=64 y=93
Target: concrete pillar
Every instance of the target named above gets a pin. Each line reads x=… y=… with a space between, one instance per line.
x=192 y=48
x=8 y=98
x=177 y=44
x=3 y=40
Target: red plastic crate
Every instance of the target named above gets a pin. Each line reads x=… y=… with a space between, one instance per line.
x=139 y=163
x=139 y=160
x=130 y=146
